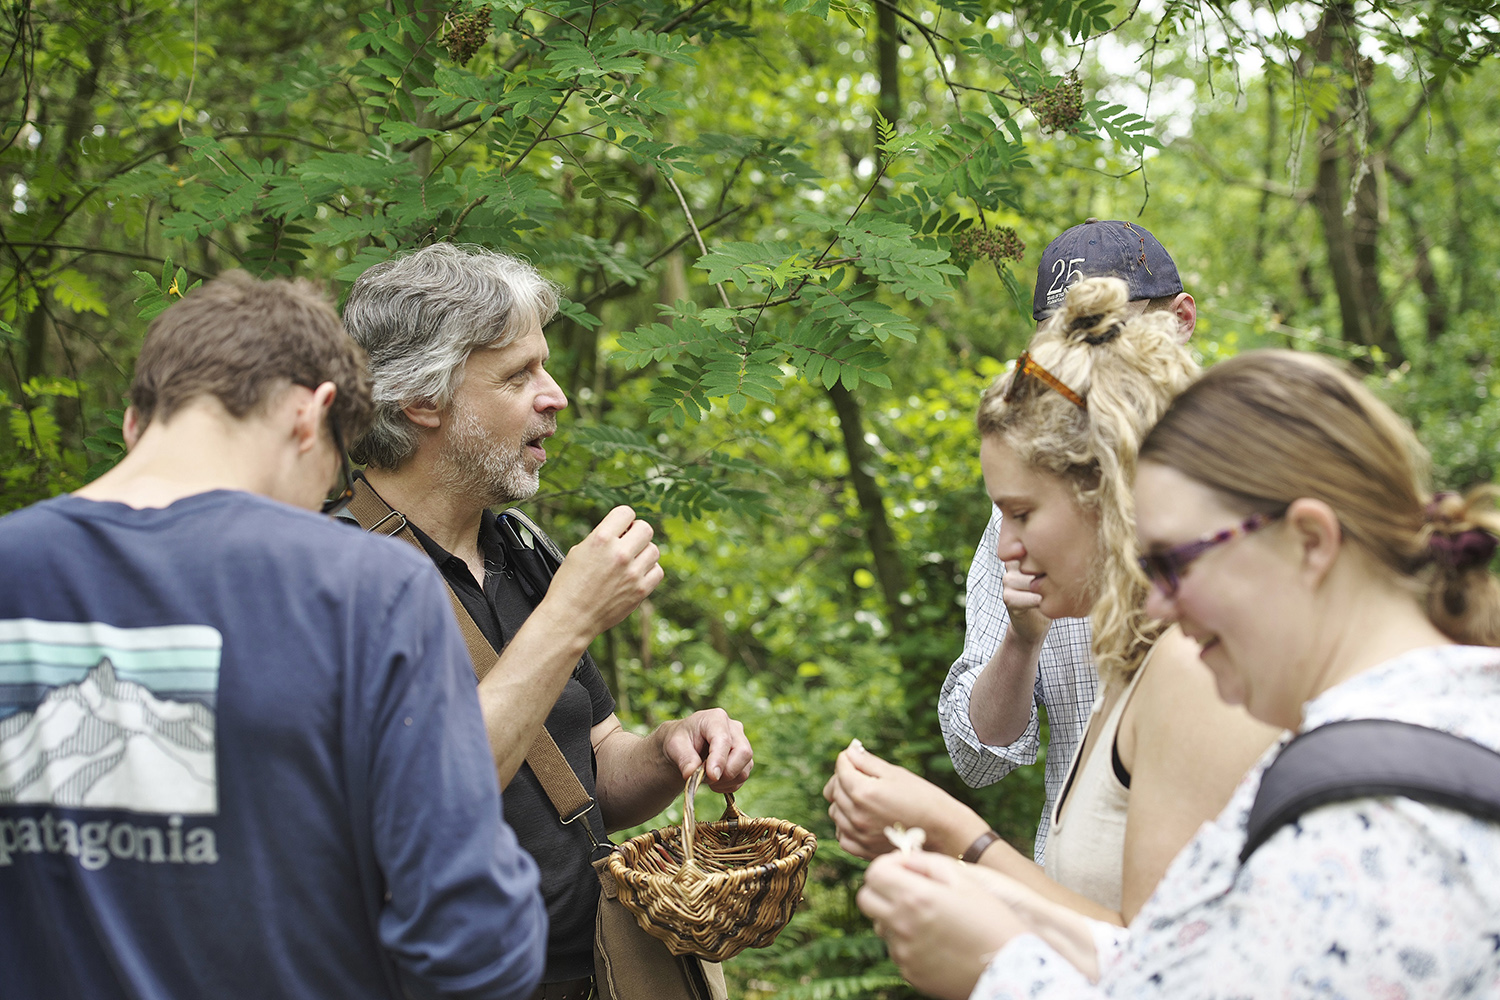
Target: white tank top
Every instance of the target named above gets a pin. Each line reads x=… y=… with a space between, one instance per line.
x=1086 y=849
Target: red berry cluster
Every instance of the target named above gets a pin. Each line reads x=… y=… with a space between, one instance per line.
x=994 y=244
x=1059 y=108
x=466 y=33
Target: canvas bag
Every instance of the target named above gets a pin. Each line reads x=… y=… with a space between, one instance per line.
x=629 y=964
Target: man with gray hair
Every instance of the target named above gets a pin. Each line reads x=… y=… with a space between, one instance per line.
x=464 y=408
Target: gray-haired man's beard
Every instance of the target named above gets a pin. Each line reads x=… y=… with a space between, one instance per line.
x=492 y=472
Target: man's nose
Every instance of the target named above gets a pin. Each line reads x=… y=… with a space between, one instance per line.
x=550 y=396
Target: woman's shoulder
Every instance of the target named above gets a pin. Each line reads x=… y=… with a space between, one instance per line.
x=1173 y=678
x=1455 y=689
x=1176 y=651
x=1177 y=702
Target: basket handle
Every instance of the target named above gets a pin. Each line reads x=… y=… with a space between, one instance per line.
x=689 y=820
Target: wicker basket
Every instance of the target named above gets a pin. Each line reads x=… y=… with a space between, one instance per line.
x=714 y=889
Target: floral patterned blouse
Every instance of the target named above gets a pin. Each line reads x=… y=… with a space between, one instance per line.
x=1381 y=898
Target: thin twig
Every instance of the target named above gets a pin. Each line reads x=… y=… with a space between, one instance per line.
x=930 y=37
x=542 y=132
x=768 y=303
x=610 y=289
x=796 y=292
x=101 y=251
x=283 y=136
x=734 y=175
x=703 y=247
x=192 y=77
x=449 y=152
x=465 y=213
x=28 y=68
x=98 y=346
x=685 y=16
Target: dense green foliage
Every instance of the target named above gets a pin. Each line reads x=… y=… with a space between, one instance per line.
x=797 y=241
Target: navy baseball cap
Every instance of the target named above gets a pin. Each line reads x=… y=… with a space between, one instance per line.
x=1103 y=249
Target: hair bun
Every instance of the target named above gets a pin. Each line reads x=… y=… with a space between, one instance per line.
x=1456 y=543
x=1092 y=310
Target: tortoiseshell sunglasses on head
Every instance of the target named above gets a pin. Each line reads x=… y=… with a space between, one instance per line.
x=1027 y=365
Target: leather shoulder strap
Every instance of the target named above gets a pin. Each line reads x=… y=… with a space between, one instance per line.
x=1364 y=758
x=377 y=517
x=543 y=756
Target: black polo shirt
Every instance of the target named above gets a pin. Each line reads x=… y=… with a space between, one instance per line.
x=569 y=885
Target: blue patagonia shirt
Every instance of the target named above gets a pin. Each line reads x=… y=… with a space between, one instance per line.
x=241 y=756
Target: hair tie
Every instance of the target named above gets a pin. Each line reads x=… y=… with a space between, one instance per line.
x=1464 y=550
x=1094 y=340
x=1082 y=323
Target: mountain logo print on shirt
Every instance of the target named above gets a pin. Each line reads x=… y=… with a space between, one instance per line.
x=98 y=717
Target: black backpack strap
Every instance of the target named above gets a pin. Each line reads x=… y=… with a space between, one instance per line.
x=1367 y=758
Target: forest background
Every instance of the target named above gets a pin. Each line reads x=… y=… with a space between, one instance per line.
x=797 y=239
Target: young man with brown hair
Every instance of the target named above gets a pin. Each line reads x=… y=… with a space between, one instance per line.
x=240 y=753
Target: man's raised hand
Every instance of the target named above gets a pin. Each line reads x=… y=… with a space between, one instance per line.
x=607 y=575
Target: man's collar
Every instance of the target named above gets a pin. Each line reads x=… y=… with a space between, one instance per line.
x=491 y=544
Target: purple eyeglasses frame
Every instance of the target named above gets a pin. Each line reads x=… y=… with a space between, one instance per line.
x=1164 y=569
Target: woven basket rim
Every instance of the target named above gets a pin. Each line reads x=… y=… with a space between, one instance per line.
x=739 y=918
x=806 y=844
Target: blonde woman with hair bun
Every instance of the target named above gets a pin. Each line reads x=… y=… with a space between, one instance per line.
x=1288 y=528
x=1059 y=437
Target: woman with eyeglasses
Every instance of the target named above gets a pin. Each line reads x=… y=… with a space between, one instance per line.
x=1289 y=531
x=1059 y=435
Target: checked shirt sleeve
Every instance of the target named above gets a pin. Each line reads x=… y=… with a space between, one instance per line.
x=1065 y=685
x=986 y=621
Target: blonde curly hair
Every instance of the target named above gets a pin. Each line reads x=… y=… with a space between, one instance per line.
x=1126 y=367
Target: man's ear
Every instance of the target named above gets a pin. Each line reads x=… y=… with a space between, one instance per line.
x=424 y=413
x=311 y=414
x=1318 y=535
x=132 y=427
x=1186 y=311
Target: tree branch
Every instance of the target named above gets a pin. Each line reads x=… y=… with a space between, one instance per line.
x=542 y=132
x=1407 y=122
x=609 y=290
x=97 y=251
x=1254 y=183
x=698 y=235
x=684 y=17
